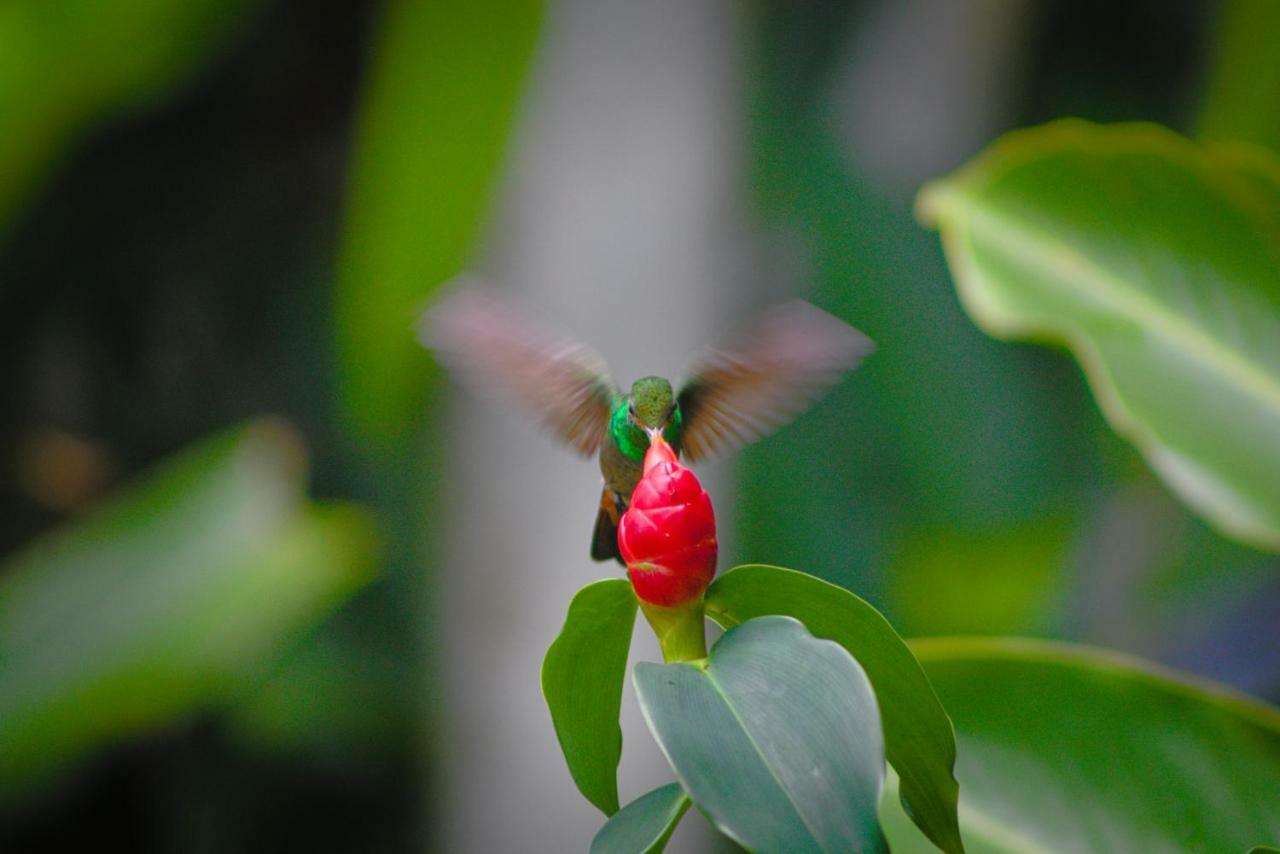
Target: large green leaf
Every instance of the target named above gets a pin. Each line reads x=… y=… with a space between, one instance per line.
x=582 y=682
x=1154 y=260
x=435 y=119
x=918 y=739
x=644 y=825
x=1070 y=749
x=168 y=599
x=67 y=63
x=776 y=737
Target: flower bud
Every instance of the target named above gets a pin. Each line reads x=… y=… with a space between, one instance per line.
x=668 y=534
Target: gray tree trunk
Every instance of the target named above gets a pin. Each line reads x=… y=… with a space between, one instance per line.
x=615 y=224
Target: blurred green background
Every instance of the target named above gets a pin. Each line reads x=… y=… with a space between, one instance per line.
x=217 y=223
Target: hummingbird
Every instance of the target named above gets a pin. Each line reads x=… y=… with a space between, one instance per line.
x=769 y=373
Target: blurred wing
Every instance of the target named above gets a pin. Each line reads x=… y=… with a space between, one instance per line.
x=490 y=345
x=774 y=370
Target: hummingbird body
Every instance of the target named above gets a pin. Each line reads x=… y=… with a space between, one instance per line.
x=650 y=408
x=731 y=397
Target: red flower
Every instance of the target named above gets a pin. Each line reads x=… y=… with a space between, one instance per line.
x=668 y=534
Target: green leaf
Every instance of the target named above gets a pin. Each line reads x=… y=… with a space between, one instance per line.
x=172 y=597
x=644 y=825
x=918 y=740
x=1154 y=259
x=582 y=682
x=776 y=737
x=65 y=64
x=442 y=97
x=1070 y=749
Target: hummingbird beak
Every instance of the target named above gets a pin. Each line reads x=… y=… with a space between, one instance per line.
x=655 y=435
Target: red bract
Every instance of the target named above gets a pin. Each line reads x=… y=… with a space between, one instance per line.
x=668 y=534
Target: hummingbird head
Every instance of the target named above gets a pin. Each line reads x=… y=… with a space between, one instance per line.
x=652 y=404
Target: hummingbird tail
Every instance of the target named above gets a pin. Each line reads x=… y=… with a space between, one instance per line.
x=604 y=540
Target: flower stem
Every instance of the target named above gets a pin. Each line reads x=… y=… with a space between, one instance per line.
x=681 y=631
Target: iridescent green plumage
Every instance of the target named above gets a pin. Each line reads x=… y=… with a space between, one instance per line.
x=651 y=404
x=732 y=396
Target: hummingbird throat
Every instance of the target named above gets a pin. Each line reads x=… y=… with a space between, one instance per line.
x=631 y=438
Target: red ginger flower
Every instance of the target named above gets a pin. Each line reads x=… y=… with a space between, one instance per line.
x=668 y=534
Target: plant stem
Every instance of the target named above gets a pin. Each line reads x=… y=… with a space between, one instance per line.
x=681 y=631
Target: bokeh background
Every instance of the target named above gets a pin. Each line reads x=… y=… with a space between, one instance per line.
x=317 y=625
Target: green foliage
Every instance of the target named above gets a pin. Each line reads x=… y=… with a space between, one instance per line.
x=943 y=428
x=1243 y=98
x=961 y=483
x=1067 y=748
x=429 y=144
x=582 y=683
x=644 y=825
x=948 y=581
x=1155 y=261
x=776 y=737
x=918 y=739
x=332 y=694
x=171 y=598
x=65 y=64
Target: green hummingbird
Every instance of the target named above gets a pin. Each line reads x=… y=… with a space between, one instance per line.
x=770 y=372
